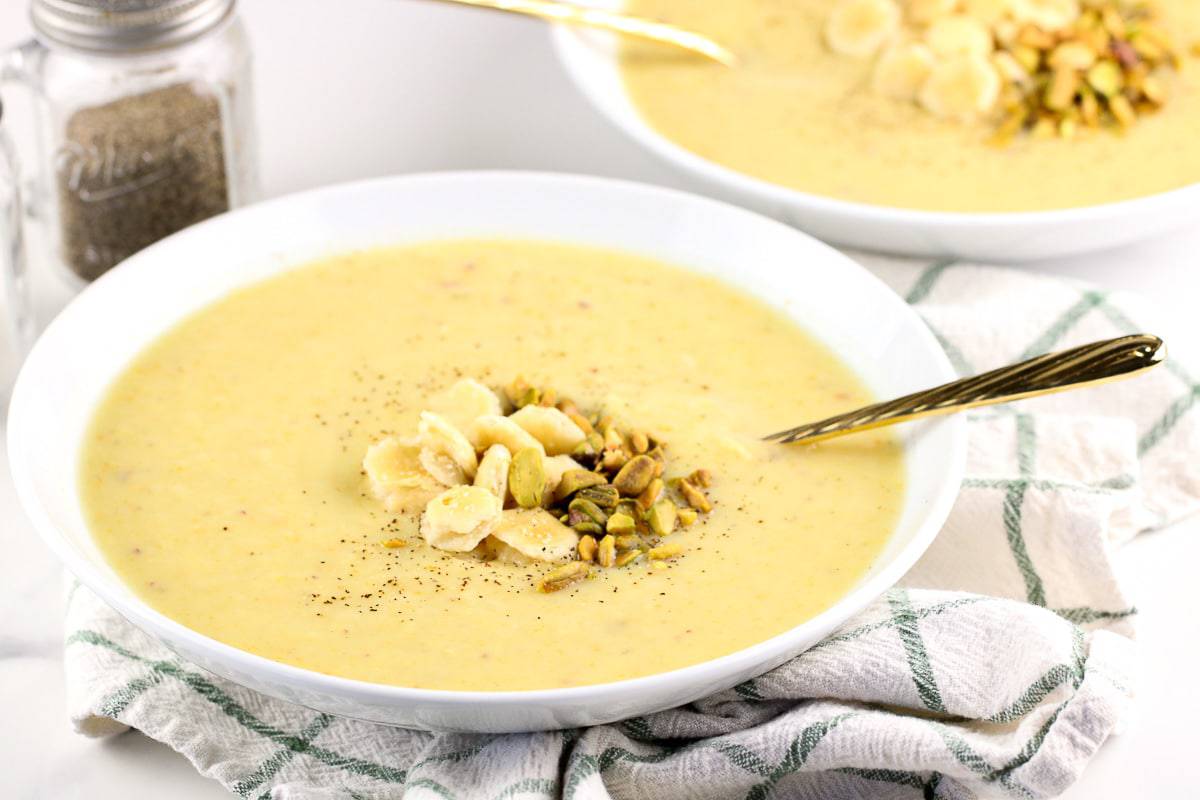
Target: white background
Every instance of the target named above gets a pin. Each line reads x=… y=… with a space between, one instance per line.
x=359 y=88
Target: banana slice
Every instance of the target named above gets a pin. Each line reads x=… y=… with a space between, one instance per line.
x=959 y=35
x=493 y=429
x=961 y=88
x=460 y=518
x=555 y=467
x=860 y=27
x=1049 y=15
x=989 y=12
x=493 y=470
x=492 y=549
x=554 y=429
x=392 y=464
x=924 y=12
x=536 y=534
x=445 y=453
x=394 y=470
x=464 y=401
x=902 y=70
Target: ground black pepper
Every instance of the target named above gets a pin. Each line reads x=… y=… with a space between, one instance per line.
x=137 y=169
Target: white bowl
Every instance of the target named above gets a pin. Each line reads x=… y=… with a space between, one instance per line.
x=589 y=58
x=91 y=342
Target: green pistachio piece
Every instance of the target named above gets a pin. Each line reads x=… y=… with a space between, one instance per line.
x=635 y=476
x=573 y=480
x=621 y=524
x=527 y=477
x=661 y=517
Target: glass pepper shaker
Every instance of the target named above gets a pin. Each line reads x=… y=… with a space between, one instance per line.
x=144 y=122
x=16 y=329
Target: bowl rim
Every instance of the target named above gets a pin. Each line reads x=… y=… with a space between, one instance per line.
x=149 y=620
x=572 y=47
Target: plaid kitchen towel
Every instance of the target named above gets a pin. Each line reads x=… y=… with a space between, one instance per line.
x=996 y=669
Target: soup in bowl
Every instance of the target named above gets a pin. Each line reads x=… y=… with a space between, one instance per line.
x=990 y=129
x=482 y=451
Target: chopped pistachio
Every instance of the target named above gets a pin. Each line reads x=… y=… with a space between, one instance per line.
x=627 y=542
x=1122 y=110
x=581 y=421
x=628 y=557
x=665 y=551
x=606 y=551
x=394 y=543
x=650 y=495
x=662 y=517
x=588 y=528
x=701 y=477
x=516 y=390
x=527 y=477
x=1105 y=77
x=603 y=495
x=694 y=497
x=635 y=476
x=573 y=480
x=687 y=515
x=563 y=576
x=614 y=459
x=620 y=524
x=582 y=509
x=639 y=441
x=589 y=447
x=1154 y=90
x=587 y=548
x=1060 y=93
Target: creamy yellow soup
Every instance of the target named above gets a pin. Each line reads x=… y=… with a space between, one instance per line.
x=222 y=474
x=795 y=113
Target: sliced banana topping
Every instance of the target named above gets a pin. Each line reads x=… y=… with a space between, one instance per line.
x=445 y=453
x=902 y=70
x=961 y=88
x=989 y=12
x=460 y=518
x=396 y=476
x=554 y=429
x=392 y=464
x=536 y=534
x=924 y=12
x=493 y=429
x=463 y=402
x=860 y=27
x=1049 y=15
x=959 y=35
x=493 y=470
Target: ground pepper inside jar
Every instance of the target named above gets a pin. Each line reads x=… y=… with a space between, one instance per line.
x=137 y=169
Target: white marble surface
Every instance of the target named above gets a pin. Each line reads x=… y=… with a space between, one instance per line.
x=351 y=90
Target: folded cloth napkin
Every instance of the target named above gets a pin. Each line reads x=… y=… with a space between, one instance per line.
x=997 y=668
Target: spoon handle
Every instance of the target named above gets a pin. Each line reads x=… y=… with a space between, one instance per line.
x=610 y=21
x=1089 y=364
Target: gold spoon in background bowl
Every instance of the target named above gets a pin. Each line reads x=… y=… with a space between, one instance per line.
x=637 y=27
x=1087 y=365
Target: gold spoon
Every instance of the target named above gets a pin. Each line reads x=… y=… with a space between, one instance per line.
x=611 y=21
x=1087 y=365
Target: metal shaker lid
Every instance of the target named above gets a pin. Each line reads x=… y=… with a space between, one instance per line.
x=119 y=25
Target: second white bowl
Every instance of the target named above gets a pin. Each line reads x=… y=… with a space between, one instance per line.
x=590 y=60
